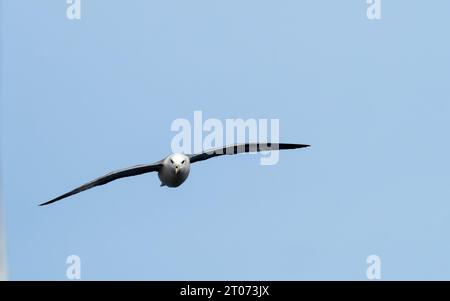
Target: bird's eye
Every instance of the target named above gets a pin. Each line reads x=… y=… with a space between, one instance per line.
x=182 y=162
x=171 y=161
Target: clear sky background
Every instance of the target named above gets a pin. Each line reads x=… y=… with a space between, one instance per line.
x=82 y=98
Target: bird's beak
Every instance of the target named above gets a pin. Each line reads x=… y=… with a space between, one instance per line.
x=176 y=170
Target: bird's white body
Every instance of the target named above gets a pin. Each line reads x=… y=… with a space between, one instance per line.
x=175 y=170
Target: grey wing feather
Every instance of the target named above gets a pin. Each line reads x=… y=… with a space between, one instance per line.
x=127 y=172
x=243 y=148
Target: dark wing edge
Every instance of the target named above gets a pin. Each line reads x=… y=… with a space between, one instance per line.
x=127 y=172
x=244 y=148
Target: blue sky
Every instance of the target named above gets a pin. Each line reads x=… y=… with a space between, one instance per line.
x=82 y=98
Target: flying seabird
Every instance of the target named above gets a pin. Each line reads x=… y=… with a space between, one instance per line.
x=174 y=169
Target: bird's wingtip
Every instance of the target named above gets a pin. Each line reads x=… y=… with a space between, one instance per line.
x=303 y=145
x=46 y=203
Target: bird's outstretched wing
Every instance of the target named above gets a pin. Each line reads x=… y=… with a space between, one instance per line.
x=243 y=148
x=127 y=172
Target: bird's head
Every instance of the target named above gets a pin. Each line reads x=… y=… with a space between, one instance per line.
x=179 y=163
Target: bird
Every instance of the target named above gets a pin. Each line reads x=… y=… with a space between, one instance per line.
x=174 y=169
